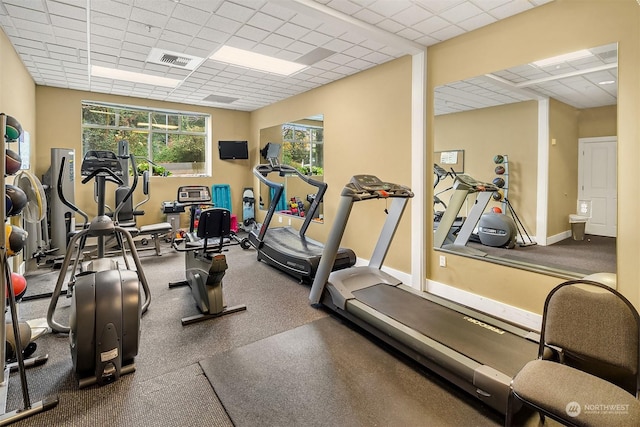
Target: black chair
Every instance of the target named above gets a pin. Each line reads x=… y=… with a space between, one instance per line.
x=587 y=370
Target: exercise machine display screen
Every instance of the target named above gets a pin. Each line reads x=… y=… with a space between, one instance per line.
x=96 y=159
x=194 y=194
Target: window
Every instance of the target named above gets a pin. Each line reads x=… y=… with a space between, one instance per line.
x=302 y=148
x=177 y=142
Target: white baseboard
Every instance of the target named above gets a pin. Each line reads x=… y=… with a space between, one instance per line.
x=494 y=308
x=558 y=237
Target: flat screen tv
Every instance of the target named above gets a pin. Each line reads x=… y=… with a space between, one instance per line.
x=233 y=150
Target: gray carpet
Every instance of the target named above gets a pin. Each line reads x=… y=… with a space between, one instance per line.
x=169 y=387
x=594 y=254
x=326 y=374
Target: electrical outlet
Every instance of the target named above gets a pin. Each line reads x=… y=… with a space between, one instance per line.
x=289 y=221
x=443 y=261
x=279 y=219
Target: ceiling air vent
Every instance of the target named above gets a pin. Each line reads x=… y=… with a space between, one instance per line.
x=174 y=59
x=220 y=99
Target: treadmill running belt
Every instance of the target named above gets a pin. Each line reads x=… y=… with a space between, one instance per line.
x=287 y=240
x=482 y=342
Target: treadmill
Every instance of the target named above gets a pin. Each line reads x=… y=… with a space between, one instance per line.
x=284 y=247
x=476 y=352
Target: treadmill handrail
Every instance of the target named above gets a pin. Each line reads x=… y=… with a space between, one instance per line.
x=262 y=170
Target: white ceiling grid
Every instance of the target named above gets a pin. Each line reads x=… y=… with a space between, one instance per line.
x=576 y=82
x=51 y=38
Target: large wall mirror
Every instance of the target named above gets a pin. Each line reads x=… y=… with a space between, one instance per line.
x=545 y=134
x=301 y=146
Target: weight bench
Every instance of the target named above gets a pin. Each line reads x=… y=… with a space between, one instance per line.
x=126 y=217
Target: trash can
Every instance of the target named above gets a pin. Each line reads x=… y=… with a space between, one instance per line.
x=578 y=224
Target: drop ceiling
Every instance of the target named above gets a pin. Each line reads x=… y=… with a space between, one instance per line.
x=586 y=82
x=59 y=40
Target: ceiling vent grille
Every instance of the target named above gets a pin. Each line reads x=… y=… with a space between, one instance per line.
x=174 y=59
x=220 y=99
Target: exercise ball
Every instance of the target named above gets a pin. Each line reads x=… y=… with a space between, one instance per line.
x=499 y=170
x=19 y=284
x=12 y=162
x=496 y=210
x=13 y=129
x=498 y=182
x=498 y=158
x=28 y=347
x=16 y=199
x=497 y=196
x=497 y=230
x=15 y=239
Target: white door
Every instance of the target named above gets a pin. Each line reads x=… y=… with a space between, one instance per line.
x=597 y=183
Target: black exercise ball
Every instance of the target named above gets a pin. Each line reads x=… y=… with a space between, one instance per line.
x=15 y=198
x=499 y=170
x=15 y=239
x=498 y=182
x=498 y=158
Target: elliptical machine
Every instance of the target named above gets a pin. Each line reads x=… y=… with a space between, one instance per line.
x=106 y=305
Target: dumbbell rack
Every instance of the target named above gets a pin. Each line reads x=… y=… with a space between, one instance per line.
x=29 y=408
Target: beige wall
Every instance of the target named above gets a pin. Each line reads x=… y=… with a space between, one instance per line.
x=563 y=166
x=601 y=121
x=17 y=90
x=17 y=99
x=59 y=125
x=367 y=129
x=507 y=129
x=555 y=28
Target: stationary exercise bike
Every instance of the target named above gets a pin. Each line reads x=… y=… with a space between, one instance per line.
x=205 y=265
x=106 y=305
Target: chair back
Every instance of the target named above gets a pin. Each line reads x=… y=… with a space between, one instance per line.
x=595 y=329
x=214 y=223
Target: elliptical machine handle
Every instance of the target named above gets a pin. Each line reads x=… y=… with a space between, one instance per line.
x=112 y=175
x=131 y=189
x=64 y=200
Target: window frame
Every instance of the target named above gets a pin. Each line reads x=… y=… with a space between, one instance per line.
x=150 y=130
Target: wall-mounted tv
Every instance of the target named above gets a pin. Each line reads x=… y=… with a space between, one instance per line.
x=233 y=150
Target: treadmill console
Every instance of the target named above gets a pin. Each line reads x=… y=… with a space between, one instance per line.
x=194 y=194
x=369 y=183
x=472 y=185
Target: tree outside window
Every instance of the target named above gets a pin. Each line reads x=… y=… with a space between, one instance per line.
x=302 y=148
x=176 y=142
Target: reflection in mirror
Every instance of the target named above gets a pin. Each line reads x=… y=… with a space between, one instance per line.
x=301 y=145
x=522 y=130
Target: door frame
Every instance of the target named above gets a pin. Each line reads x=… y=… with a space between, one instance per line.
x=581 y=144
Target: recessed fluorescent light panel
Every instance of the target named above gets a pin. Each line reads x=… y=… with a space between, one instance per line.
x=579 y=54
x=129 y=76
x=256 y=61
